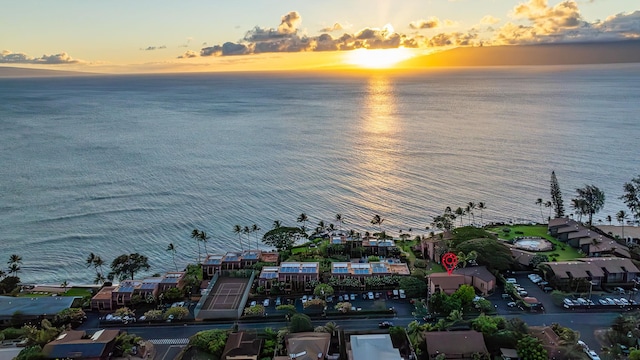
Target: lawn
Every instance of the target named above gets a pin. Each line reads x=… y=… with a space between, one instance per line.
x=82 y=292
x=406 y=247
x=568 y=253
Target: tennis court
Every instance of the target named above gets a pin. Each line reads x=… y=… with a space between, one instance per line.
x=226 y=294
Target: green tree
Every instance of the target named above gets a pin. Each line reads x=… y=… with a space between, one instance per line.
x=300 y=323
x=634 y=354
x=631 y=196
x=538 y=259
x=14 y=264
x=126 y=266
x=413 y=287
x=340 y=220
x=31 y=353
x=556 y=196
x=490 y=252
x=178 y=312
x=323 y=290
x=444 y=221
x=204 y=238
x=466 y=294
x=237 y=229
x=254 y=229
x=8 y=284
x=539 y=202
x=481 y=206
x=172 y=249
x=460 y=214
x=377 y=220
x=485 y=324
x=211 y=341
x=282 y=238
x=593 y=199
x=290 y=309
x=195 y=234
x=621 y=216
x=530 y=348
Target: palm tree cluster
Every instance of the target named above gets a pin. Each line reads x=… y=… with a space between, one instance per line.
x=247 y=230
x=547 y=204
x=199 y=236
x=97 y=263
x=14 y=264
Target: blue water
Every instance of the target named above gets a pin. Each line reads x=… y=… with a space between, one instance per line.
x=113 y=165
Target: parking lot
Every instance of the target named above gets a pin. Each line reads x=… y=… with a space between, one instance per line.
x=362 y=301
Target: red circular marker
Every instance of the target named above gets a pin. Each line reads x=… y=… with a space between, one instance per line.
x=449 y=261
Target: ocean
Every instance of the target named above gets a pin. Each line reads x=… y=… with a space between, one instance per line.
x=120 y=164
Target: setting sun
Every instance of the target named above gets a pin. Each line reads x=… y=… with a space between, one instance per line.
x=379 y=58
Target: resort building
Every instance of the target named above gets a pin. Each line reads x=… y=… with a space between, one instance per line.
x=74 y=344
x=630 y=234
x=378 y=247
x=295 y=275
x=231 y=261
x=306 y=346
x=477 y=276
x=592 y=243
x=364 y=270
x=32 y=308
x=455 y=344
x=597 y=271
x=372 y=347
x=112 y=297
x=242 y=346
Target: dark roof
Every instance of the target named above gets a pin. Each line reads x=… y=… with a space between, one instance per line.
x=480 y=272
x=74 y=344
x=560 y=222
x=35 y=306
x=242 y=343
x=453 y=343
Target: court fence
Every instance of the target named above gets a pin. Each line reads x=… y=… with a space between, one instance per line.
x=202 y=313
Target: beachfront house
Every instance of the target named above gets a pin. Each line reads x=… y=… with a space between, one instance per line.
x=32 y=308
x=242 y=346
x=372 y=347
x=306 y=346
x=74 y=344
x=231 y=261
x=598 y=271
x=362 y=271
x=455 y=344
x=295 y=275
x=477 y=276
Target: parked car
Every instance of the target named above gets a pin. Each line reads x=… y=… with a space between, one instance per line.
x=583 y=345
x=377 y=295
x=511 y=280
x=304 y=299
x=547 y=289
x=592 y=355
x=329 y=299
x=619 y=290
x=389 y=294
x=396 y=294
x=402 y=294
x=603 y=302
x=278 y=301
x=370 y=295
x=364 y=296
x=523 y=293
x=385 y=324
x=266 y=302
x=340 y=298
x=511 y=304
x=254 y=303
x=352 y=297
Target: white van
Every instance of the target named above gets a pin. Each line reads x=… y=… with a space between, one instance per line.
x=511 y=281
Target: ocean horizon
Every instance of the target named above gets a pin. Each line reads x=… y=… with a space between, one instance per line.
x=121 y=164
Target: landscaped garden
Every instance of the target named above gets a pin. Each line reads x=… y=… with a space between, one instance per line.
x=562 y=251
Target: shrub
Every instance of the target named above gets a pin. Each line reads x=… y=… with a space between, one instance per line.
x=178 y=312
x=419 y=263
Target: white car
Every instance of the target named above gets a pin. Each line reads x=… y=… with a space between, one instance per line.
x=592 y=354
x=304 y=299
x=254 y=303
x=370 y=295
x=511 y=280
x=265 y=303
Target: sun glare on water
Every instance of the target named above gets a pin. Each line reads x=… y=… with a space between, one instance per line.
x=379 y=58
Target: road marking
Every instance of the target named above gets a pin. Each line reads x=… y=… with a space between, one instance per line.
x=181 y=341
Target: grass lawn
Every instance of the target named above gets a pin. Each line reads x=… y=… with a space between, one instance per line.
x=434 y=268
x=82 y=292
x=568 y=253
x=406 y=247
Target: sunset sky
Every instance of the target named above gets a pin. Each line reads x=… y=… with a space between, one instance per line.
x=207 y=35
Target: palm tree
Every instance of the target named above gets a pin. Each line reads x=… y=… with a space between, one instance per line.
x=609 y=219
x=621 y=216
x=303 y=218
x=99 y=279
x=459 y=213
x=98 y=263
x=277 y=224
x=237 y=229
x=2 y=274
x=171 y=248
x=90 y=259
x=14 y=264
x=540 y=202
x=247 y=230
x=64 y=286
x=481 y=206
x=322 y=226
x=195 y=234
x=254 y=229
x=472 y=206
x=13 y=269
x=377 y=220
x=549 y=205
x=339 y=220
x=204 y=238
